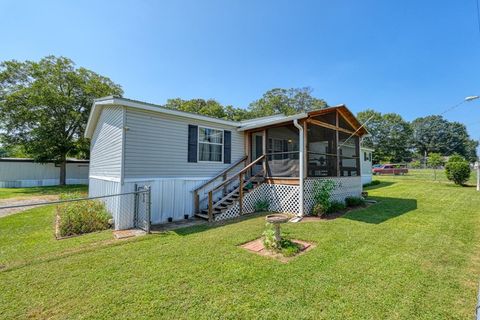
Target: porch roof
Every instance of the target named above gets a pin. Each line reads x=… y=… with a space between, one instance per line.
x=342 y=109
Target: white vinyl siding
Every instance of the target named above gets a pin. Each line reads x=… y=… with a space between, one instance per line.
x=106 y=144
x=156 y=145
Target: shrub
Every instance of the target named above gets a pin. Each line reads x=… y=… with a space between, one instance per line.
x=262 y=205
x=322 y=190
x=415 y=164
x=458 y=172
x=354 y=201
x=373 y=183
x=269 y=238
x=319 y=210
x=336 y=206
x=286 y=247
x=81 y=216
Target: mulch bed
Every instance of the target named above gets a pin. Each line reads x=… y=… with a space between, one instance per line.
x=256 y=246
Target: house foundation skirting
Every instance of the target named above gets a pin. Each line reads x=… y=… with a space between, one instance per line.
x=285 y=198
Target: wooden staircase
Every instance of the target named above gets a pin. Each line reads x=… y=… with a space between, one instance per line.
x=233 y=190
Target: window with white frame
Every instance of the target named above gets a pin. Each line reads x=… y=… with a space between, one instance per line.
x=210 y=144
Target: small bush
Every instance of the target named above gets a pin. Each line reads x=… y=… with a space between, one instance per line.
x=415 y=164
x=373 y=183
x=336 y=206
x=322 y=190
x=458 y=172
x=289 y=248
x=319 y=210
x=81 y=216
x=354 y=201
x=262 y=205
x=286 y=247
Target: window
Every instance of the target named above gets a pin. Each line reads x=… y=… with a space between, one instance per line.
x=210 y=144
x=365 y=156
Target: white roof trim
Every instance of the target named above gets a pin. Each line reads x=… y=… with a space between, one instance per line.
x=115 y=101
x=270 y=122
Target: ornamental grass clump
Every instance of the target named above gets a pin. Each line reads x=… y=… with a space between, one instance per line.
x=79 y=217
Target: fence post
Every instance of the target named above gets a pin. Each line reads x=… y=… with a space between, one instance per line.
x=135 y=206
x=149 y=206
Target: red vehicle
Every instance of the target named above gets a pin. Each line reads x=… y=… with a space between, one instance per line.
x=395 y=169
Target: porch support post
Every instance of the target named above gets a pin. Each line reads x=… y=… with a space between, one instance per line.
x=264 y=150
x=301 y=163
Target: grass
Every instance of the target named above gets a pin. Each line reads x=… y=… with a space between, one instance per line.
x=414 y=255
x=6 y=193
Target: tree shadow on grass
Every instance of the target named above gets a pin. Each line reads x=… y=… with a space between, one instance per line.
x=386 y=209
x=381 y=185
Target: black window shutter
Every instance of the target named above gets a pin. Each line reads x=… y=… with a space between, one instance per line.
x=192 y=143
x=227 y=146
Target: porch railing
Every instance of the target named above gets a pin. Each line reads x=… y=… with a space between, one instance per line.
x=213 y=182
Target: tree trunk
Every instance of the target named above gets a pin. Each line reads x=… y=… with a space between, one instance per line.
x=63 y=172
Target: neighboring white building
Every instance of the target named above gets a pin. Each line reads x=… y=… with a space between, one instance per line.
x=21 y=172
x=193 y=163
x=366 y=155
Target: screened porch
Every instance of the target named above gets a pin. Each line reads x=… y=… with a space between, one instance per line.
x=331 y=147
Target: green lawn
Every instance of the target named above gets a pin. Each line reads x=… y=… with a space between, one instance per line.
x=39 y=191
x=414 y=255
x=429 y=175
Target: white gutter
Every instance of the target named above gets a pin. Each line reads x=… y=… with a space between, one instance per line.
x=302 y=163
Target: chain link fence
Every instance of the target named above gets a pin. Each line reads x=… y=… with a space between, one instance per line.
x=132 y=208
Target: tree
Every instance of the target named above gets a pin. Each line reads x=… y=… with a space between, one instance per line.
x=286 y=101
x=390 y=136
x=435 y=161
x=458 y=169
x=44 y=106
x=435 y=134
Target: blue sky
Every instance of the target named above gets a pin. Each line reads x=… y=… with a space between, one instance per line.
x=411 y=57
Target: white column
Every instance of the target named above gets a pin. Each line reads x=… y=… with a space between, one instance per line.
x=301 y=164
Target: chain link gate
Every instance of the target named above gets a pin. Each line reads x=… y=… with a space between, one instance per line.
x=142 y=208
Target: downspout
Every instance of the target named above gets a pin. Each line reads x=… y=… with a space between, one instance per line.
x=302 y=163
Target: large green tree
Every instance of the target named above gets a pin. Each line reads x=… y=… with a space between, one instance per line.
x=436 y=134
x=44 y=107
x=211 y=108
x=390 y=136
x=286 y=101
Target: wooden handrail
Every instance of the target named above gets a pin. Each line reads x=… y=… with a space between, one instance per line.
x=238 y=173
x=219 y=202
x=220 y=174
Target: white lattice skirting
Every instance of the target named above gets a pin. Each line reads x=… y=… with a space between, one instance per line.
x=285 y=198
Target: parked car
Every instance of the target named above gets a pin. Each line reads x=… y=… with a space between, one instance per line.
x=395 y=169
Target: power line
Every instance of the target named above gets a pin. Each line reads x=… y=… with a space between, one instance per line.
x=478 y=16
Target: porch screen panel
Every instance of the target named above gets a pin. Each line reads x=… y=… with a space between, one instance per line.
x=282 y=151
x=322 y=151
x=349 y=154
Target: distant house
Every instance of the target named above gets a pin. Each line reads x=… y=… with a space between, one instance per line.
x=218 y=169
x=366 y=155
x=23 y=172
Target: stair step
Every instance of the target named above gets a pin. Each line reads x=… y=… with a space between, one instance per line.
x=201 y=215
